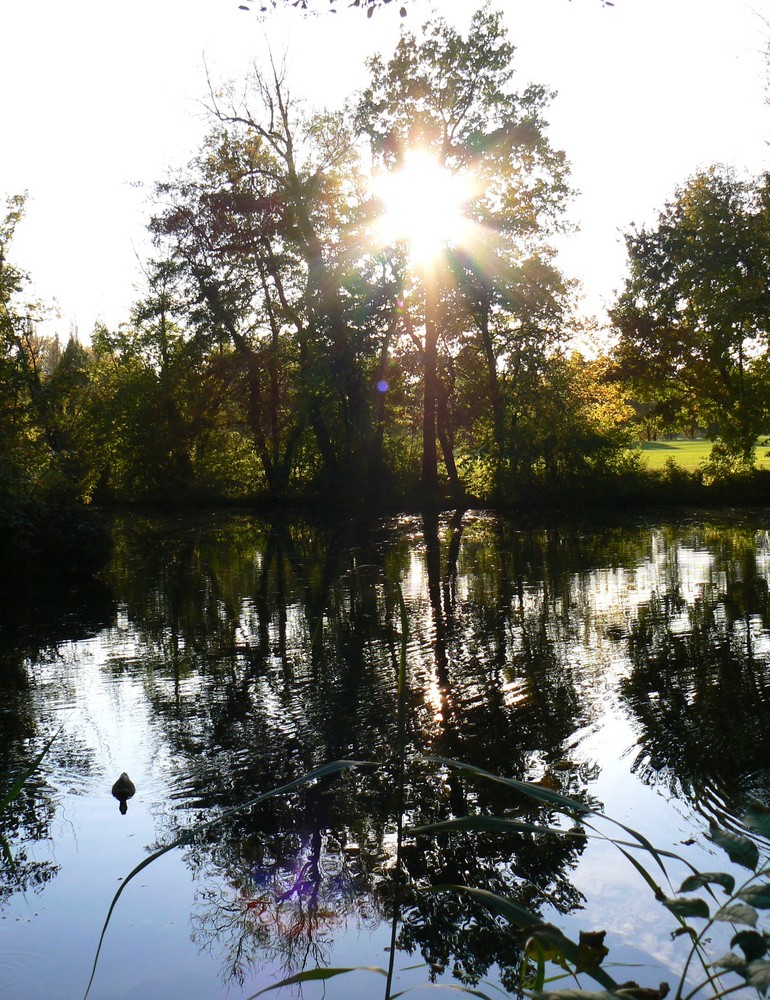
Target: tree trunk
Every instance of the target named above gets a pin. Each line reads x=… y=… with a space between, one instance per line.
x=430 y=379
x=446 y=442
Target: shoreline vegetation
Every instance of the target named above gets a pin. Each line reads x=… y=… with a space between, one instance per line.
x=58 y=539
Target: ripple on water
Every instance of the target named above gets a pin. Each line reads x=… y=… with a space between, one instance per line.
x=725 y=802
x=17 y=971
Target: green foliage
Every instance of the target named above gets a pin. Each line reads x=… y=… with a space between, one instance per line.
x=693 y=317
x=279 y=350
x=569 y=431
x=43 y=525
x=498 y=303
x=22 y=448
x=268 y=235
x=740 y=908
x=264 y=228
x=162 y=418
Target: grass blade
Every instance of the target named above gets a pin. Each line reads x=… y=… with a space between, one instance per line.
x=442 y=986
x=528 y=788
x=555 y=799
x=315 y=975
x=500 y=824
x=16 y=788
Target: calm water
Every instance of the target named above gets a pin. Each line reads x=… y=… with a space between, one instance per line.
x=221 y=657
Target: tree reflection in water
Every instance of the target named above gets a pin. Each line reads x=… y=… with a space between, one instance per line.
x=270 y=663
x=27 y=819
x=699 y=683
x=75 y=610
x=281 y=901
x=266 y=649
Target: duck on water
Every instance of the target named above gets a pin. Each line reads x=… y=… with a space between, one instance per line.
x=123 y=789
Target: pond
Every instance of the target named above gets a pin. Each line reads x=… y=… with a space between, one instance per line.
x=221 y=657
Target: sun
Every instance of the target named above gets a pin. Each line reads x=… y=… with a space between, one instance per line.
x=424 y=205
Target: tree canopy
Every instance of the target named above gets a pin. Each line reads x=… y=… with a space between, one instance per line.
x=694 y=316
x=348 y=364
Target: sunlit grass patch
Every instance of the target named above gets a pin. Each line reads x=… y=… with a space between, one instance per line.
x=689 y=454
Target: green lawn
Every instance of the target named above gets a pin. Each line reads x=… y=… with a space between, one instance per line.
x=688 y=454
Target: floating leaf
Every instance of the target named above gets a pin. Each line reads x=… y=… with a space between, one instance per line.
x=757 y=895
x=591 y=949
x=752 y=944
x=739 y=849
x=708 y=878
x=548 y=941
x=739 y=913
x=759 y=975
x=684 y=907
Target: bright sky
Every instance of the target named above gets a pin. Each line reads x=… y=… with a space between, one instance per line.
x=101 y=98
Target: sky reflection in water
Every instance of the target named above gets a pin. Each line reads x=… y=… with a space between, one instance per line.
x=229 y=656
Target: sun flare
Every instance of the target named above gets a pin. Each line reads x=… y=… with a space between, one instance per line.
x=423 y=204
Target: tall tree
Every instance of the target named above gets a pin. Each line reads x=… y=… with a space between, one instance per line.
x=266 y=225
x=28 y=434
x=453 y=97
x=163 y=416
x=694 y=317
x=43 y=525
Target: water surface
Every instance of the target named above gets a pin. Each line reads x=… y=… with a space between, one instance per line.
x=223 y=656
